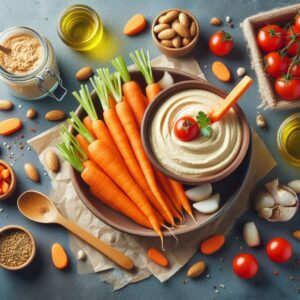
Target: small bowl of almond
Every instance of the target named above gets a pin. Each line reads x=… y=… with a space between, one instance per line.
x=175 y=32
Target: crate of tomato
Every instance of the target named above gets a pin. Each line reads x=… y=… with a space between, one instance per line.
x=274 y=41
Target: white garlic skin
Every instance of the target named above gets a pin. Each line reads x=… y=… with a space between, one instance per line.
x=294 y=185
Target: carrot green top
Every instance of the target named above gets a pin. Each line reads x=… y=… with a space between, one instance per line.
x=120 y=65
x=101 y=90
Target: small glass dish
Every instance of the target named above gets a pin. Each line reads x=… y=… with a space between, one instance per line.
x=80 y=27
x=288 y=139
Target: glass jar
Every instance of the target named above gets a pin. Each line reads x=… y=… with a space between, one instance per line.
x=43 y=81
x=288 y=139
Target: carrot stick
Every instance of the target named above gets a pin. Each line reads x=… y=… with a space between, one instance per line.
x=59 y=256
x=158 y=257
x=9 y=126
x=114 y=168
x=136 y=24
x=221 y=71
x=212 y=244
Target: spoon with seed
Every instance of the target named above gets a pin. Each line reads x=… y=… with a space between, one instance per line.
x=39 y=208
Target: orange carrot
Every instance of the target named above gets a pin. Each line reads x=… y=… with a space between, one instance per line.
x=152 y=90
x=5 y=174
x=59 y=256
x=158 y=257
x=84 y=144
x=179 y=191
x=131 y=128
x=2 y=168
x=115 y=169
x=136 y=24
x=212 y=244
x=4 y=186
x=171 y=207
x=87 y=121
x=9 y=126
x=221 y=71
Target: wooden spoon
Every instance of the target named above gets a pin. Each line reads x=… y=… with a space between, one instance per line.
x=5 y=50
x=39 y=208
x=237 y=92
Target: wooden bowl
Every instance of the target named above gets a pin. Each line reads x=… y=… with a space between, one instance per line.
x=230 y=187
x=176 y=52
x=11 y=227
x=13 y=181
x=160 y=99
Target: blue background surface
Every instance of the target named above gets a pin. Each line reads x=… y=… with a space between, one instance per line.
x=41 y=280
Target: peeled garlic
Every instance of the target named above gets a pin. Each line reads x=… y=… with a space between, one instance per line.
x=276 y=202
x=209 y=205
x=200 y=192
x=251 y=235
x=166 y=81
x=81 y=255
x=295 y=185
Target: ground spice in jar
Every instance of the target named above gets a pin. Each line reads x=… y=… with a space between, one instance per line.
x=15 y=247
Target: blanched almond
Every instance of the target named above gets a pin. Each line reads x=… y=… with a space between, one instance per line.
x=167 y=34
x=31 y=172
x=169 y=17
x=6 y=105
x=84 y=73
x=182 y=30
x=184 y=19
x=160 y=27
x=196 y=269
x=55 y=115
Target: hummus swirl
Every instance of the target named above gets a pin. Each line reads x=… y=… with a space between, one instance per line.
x=200 y=157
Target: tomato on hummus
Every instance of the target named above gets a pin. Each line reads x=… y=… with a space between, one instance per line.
x=202 y=156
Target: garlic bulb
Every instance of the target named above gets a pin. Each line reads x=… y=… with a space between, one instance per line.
x=276 y=202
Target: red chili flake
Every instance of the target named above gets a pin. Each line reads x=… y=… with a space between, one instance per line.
x=32 y=130
x=276 y=273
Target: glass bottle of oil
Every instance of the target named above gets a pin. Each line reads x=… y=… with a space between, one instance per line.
x=80 y=27
x=288 y=139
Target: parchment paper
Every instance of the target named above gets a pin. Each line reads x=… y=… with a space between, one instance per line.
x=67 y=201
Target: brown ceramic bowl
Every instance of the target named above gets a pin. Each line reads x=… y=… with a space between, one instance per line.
x=197 y=179
x=12 y=227
x=176 y=52
x=13 y=181
x=230 y=187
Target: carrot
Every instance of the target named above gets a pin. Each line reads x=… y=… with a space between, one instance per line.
x=231 y=99
x=221 y=71
x=4 y=186
x=131 y=90
x=171 y=207
x=2 y=168
x=59 y=256
x=144 y=65
x=179 y=191
x=114 y=168
x=101 y=186
x=87 y=121
x=158 y=257
x=5 y=174
x=9 y=126
x=212 y=244
x=136 y=24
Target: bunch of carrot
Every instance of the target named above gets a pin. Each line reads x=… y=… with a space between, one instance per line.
x=110 y=155
x=5 y=179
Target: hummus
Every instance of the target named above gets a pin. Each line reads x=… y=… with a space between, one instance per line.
x=25 y=56
x=203 y=156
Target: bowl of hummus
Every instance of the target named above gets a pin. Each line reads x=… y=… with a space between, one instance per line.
x=205 y=158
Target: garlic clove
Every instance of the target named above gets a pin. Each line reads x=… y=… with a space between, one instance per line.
x=286 y=213
x=263 y=200
x=265 y=213
x=200 y=192
x=166 y=81
x=251 y=235
x=209 y=205
x=286 y=196
x=294 y=185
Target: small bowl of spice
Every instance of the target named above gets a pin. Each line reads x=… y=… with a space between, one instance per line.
x=175 y=32
x=17 y=247
x=8 y=180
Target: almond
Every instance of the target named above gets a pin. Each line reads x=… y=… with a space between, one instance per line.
x=182 y=30
x=215 y=21
x=52 y=161
x=166 y=34
x=160 y=27
x=55 y=115
x=31 y=113
x=31 y=172
x=6 y=105
x=167 y=43
x=296 y=235
x=184 y=20
x=84 y=73
x=168 y=17
x=196 y=269
x=193 y=29
x=186 y=41
x=176 y=41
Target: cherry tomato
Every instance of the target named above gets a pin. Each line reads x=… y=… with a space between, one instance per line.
x=186 y=128
x=245 y=265
x=292 y=40
x=270 y=38
x=295 y=69
x=276 y=64
x=221 y=43
x=297 y=21
x=287 y=87
x=279 y=250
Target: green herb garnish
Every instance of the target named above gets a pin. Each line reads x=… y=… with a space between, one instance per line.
x=204 y=123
